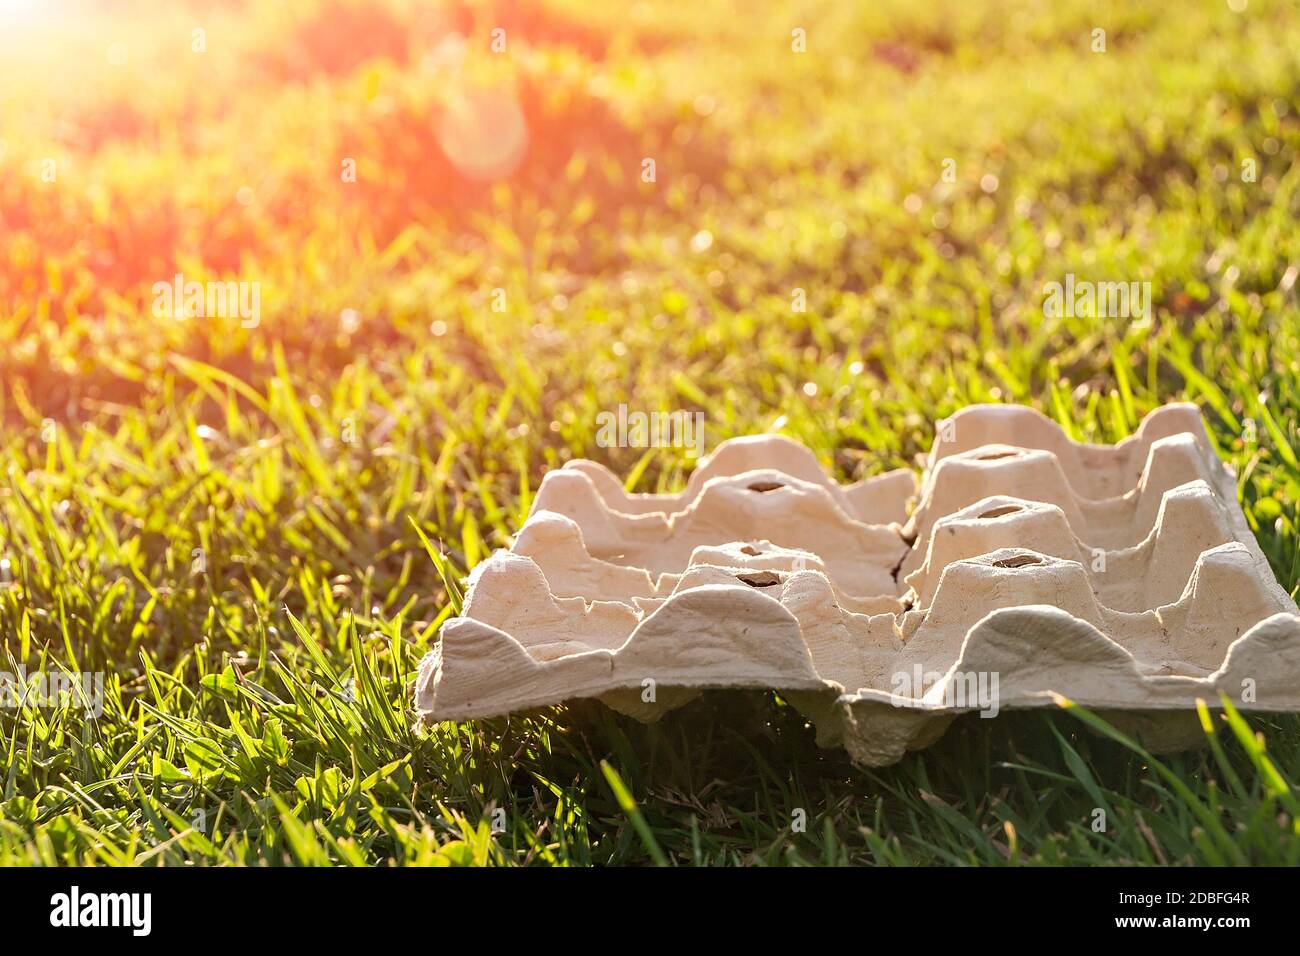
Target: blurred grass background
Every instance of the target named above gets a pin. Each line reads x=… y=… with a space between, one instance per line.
x=259 y=700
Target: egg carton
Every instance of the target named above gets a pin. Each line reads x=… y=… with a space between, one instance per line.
x=1030 y=567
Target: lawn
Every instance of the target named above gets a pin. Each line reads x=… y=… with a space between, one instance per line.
x=831 y=220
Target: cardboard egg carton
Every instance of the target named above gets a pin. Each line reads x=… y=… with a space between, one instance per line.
x=1124 y=577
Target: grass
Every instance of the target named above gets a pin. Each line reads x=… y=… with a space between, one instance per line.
x=231 y=523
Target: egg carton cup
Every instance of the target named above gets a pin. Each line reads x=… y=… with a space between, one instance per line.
x=1123 y=577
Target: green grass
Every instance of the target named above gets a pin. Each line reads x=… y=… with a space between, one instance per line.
x=258 y=701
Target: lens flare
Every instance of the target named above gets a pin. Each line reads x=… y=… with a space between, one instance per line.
x=483 y=133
